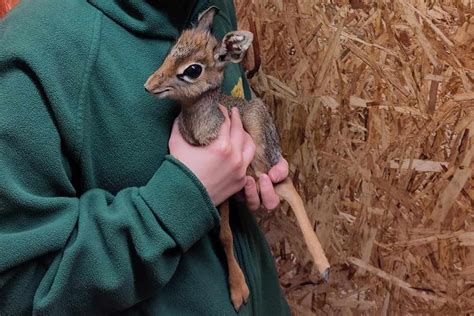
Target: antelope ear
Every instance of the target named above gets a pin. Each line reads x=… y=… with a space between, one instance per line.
x=233 y=47
x=206 y=18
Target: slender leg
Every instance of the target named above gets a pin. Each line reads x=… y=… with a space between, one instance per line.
x=239 y=291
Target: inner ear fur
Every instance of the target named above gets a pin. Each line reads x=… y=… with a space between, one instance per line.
x=233 y=47
x=206 y=18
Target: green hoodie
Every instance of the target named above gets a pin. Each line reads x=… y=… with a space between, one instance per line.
x=95 y=216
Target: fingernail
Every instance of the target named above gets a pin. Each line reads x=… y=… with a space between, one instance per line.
x=272 y=176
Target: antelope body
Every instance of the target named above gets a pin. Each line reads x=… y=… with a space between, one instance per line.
x=192 y=74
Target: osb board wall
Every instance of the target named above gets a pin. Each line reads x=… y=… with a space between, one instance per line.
x=374 y=102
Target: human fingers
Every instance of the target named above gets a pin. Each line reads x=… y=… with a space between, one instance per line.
x=251 y=194
x=225 y=128
x=248 y=150
x=279 y=172
x=269 y=197
x=236 y=128
x=175 y=137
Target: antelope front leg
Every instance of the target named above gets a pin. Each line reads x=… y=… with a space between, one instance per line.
x=239 y=291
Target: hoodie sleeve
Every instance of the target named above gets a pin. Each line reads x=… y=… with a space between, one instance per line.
x=61 y=252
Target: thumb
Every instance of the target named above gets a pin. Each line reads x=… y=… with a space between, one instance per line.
x=175 y=136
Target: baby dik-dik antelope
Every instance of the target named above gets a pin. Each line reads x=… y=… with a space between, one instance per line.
x=192 y=74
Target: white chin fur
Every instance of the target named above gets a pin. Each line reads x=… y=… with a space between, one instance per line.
x=162 y=95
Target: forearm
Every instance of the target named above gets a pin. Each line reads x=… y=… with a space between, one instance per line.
x=102 y=251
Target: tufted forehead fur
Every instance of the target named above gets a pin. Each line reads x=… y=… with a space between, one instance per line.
x=194 y=46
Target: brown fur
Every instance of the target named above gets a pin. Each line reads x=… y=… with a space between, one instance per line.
x=239 y=290
x=200 y=121
x=200 y=125
x=193 y=46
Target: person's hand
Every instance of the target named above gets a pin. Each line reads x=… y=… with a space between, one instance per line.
x=221 y=166
x=269 y=198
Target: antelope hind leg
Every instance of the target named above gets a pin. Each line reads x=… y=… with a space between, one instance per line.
x=239 y=291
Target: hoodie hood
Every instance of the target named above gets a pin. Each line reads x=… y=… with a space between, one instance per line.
x=154 y=18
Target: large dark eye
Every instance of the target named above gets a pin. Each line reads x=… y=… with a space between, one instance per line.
x=193 y=71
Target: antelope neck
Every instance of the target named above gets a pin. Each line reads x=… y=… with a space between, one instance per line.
x=203 y=105
x=200 y=122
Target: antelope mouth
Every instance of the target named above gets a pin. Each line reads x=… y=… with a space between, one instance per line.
x=157 y=91
x=162 y=91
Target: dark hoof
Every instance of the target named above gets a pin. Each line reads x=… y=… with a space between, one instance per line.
x=325 y=275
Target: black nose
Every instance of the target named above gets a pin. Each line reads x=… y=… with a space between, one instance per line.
x=146 y=89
